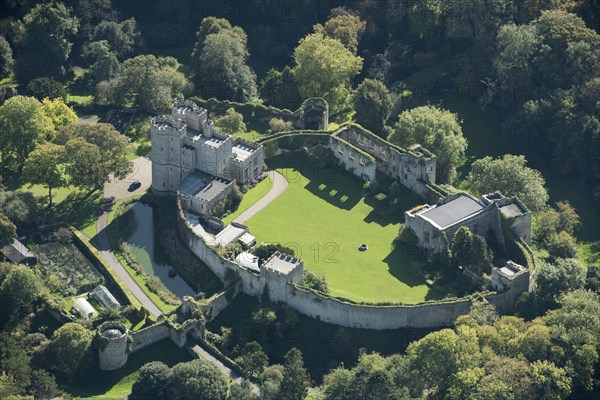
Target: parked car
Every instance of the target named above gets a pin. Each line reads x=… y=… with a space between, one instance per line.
x=135 y=185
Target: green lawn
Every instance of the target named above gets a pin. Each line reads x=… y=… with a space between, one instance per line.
x=105 y=385
x=250 y=198
x=325 y=216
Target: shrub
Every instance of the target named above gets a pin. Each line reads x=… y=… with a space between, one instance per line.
x=264 y=251
x=277 y=125
x=562 y=245
x=232 y=122
x=316 y=282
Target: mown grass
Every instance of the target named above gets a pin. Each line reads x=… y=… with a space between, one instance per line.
x=325 y=215
x=107 y=385
x=250 y=198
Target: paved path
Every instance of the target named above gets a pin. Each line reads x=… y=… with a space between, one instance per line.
x=103 y=246
x=119 y=188
x=280 y=185
x=234 y=376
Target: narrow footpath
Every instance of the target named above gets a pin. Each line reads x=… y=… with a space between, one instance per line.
x=280 y=185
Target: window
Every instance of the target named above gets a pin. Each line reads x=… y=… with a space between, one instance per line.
x=351 y=156
x=405 y=176
x=427 y=237
x=164 y=185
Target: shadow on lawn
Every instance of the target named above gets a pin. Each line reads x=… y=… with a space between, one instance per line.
x=98 y=383
x=78 y=209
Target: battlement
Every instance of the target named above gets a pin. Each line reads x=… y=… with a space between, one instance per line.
x=282 y=264
x=165 y=123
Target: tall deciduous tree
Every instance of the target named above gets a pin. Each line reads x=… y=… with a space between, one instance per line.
x=132 y=84
x=105 y=64
x=44 y=166
x=510 y=176
x=23 y=124
x=564 y=275
x=324 y=68
x=152 y=382
x=198 y=380
x=373 y=104
x=60 y=114
x=70 y=351
x=437 y=130
x=222 y=71
x=122 y=37
x=106 y=147
x=46 y=43
x=294 y=385
x=279 y=89
x=345 y=26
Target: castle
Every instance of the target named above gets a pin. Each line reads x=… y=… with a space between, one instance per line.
x=194 y=160
x=199 y=164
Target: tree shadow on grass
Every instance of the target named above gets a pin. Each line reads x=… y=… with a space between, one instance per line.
x=399 y=262
x=98 y=383
x=79 y=209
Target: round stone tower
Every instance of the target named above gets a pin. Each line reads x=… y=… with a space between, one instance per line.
x=112 y=353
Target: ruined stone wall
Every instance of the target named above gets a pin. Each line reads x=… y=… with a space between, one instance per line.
x=352 y=160
x=147 y=336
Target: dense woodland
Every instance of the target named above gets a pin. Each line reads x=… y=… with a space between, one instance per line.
x=391 y=66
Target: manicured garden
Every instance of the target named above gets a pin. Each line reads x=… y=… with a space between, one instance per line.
x=325 y=215
x=117 y=384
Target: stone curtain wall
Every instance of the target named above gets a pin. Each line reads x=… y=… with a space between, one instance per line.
x=425 y=315
x=147 y=336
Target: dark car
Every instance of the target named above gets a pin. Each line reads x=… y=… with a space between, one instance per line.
x=135 y=185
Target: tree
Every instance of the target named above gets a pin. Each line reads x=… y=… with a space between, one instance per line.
x=270 y=380
x=19 y=290
x=232 y=122
x=562 y=245
x=44 y=167
x=437 y=130
x=211 y=26
x=70 y=352
x=6 y=57
x=242 y=391
x=121 y=37
x=510 y=176
x=324 y=68
x=20 y=207
x=563 y=276
x=23 y=124
x=59 y=113
x=279 y=89
x=550 y=382
x=152 y=382
x=252 y=359
x=197 y=380
x=8 y=231
x=106 y=147
x=432 y=359
x=132 y=84
x=574 y=326
x=476 y=21
x=373 y=104
x=104 y=62
x=424 y=19
x=46 y=46
x=294 y=385
x=222 y=71
x=344 y=26
x=42 y=88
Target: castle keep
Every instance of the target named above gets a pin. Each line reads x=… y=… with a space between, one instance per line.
x=191 y=158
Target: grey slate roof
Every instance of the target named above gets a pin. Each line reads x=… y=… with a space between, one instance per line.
x=453 y=211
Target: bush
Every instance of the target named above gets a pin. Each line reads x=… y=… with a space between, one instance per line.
x=63 y=235
x=264 y=251
x=562 y=245
x=316 y=282
x=277 y=125
x=232 y=122
x=40 y=88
